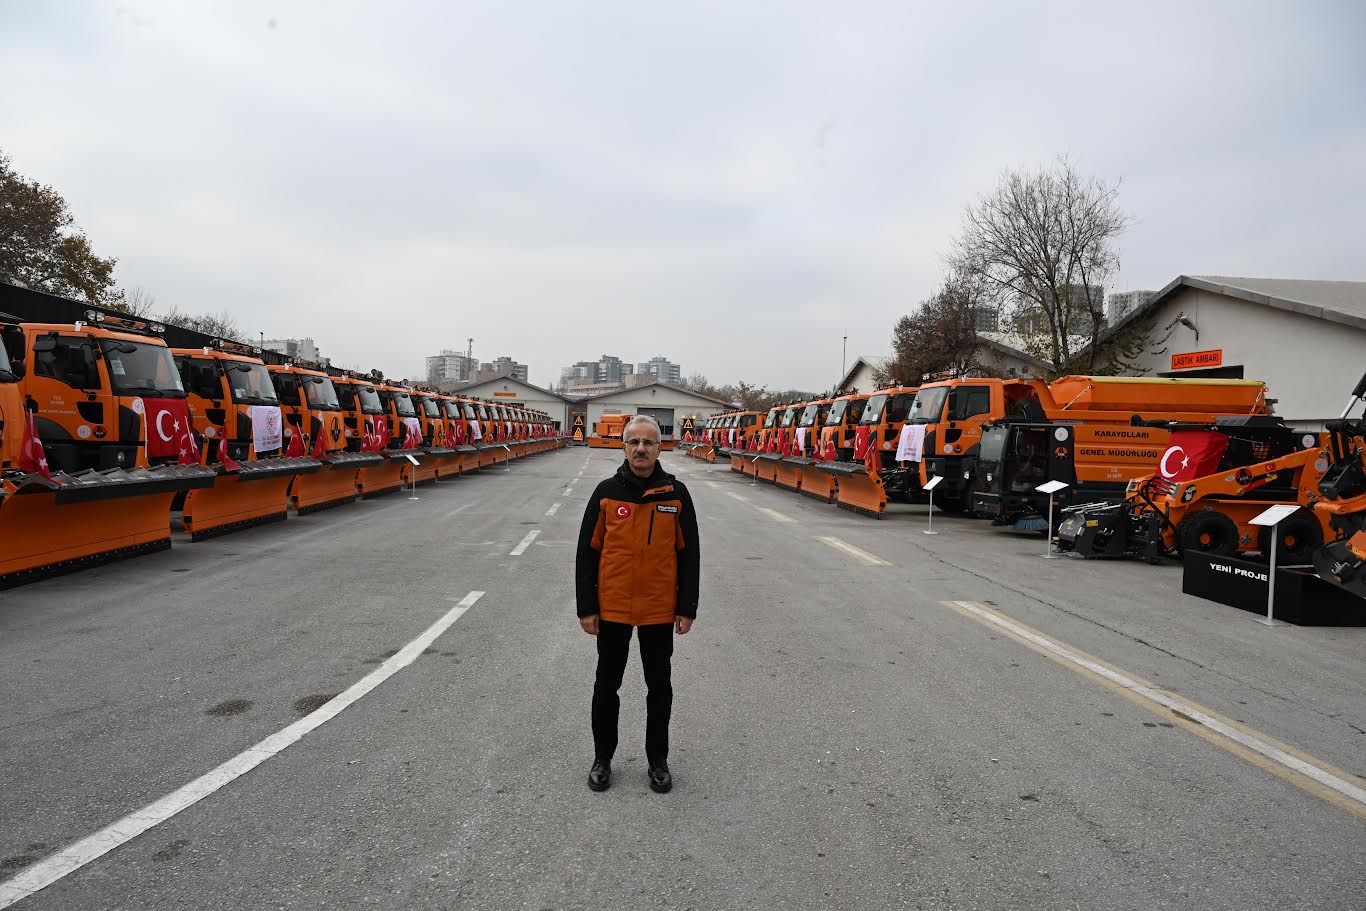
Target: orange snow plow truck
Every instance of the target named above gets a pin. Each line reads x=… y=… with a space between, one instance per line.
x=236 y=416
x=95 y=444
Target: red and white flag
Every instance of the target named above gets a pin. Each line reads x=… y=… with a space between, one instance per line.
x=319 y=444
x=296 y=442
x=167 y=424
x=861 y=443
x=1192 y=454
x=412 y=433
x=188 y=452
x=32 y=458
x=227 y=461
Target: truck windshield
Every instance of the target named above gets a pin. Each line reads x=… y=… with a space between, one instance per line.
x=369 y=400
x=836 y=413
x=453 y=410
x=928 y=406
x=250 y=384
x=809 y=415
x=873 y=413
x=771 y=419
x=404 y=402
x=139 y=369
x=320 y=393
x=430 y=409
x=483 y=413
x=470 y=413
x=900 y=407
x=788 y=415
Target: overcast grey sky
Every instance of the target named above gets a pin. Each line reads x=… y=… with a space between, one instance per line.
x=733 y=185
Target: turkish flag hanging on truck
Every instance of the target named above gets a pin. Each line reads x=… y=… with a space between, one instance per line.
x=31 y=456
x=1192 y=454
x=168 y=421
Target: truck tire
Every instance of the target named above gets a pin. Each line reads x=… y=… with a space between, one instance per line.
x=1299 y=535
x=1207 y=531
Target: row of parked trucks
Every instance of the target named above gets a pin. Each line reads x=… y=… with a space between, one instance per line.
x=105 y=431
x=1153 y=466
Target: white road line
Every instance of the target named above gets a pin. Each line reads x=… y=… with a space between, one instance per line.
x=774 y=514
x=1280 y=757
x=857 y=553
x=735 y=496
x=526 y=542
x=553 y=509
x=71 y=858
x=713 y=484
x=456 y=510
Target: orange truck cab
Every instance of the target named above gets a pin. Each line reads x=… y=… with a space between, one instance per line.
x=315 y=426
x=799 y=443
x=808 y=453
x=233 y=406
x=432 y=424
x=954 y=413
x=89 y=390
x=780 y=438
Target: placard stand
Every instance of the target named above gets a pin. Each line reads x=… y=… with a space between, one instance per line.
x=507 y=466
x=929 y=518
x=754 y=480
x=1271 y=517
x=1050 y=488
x=413 y=487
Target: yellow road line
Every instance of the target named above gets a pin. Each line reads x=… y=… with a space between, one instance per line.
x=1332 y=784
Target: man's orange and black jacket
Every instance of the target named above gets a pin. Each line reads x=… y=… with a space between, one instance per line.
x=638 y=561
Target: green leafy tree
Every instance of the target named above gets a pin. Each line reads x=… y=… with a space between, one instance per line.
x=42 y=248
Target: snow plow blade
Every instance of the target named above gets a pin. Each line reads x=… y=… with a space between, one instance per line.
x=766 y=467
x=424 y=472
x=788 y=472
x=469 y=458
x=384 y=475
x=254 y=495
x=737 y=459
x=75 y=521
x=333 y=485
x=857 y=491
x=818 y=484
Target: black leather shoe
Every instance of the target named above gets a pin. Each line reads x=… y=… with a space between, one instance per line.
x=660 y=779
x=600 y=776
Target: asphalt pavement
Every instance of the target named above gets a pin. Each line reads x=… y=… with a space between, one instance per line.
x=865 y=717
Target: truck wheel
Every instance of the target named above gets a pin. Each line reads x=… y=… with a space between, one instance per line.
x=1299 y=535
x=1208 y=531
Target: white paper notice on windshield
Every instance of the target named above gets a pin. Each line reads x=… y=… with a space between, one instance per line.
x=116 y=367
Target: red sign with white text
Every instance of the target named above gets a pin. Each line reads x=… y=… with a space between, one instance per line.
x=1211 y=358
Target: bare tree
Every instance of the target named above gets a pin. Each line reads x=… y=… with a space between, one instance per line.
x=1044 y=243
x=220 y=325
x=139 y=302
x=940 y=334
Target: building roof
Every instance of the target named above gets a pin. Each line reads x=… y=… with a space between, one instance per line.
x=1336 y=302
x=1011 y=345
x=873 y=362
x=669 y=386
x=468 y=388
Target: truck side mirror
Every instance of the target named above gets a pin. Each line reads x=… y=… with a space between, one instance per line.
x=1361 y=388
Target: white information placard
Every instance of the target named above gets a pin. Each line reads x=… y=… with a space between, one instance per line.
x=412 y=459
x=934 y=482
x=1273 y=515
x=1051 y=487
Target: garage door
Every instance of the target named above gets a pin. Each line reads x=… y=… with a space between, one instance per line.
x=665 y=417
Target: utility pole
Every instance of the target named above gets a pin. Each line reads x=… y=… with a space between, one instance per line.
x=469 y=356
x=844 y=357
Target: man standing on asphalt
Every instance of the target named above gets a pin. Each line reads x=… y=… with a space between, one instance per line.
x=638 y=566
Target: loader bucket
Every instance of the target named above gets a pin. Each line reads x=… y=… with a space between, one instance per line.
x=1343 y=563
x=788 y=472
x=857 y=492
x=766 y=467
x=1098 y=532
x=385 y=476
x=254 y=495
x=818 y=484
x=76 y=521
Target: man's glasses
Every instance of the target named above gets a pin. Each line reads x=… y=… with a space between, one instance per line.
x=633 y=444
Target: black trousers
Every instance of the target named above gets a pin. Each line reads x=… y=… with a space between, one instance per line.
x=656 y=650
